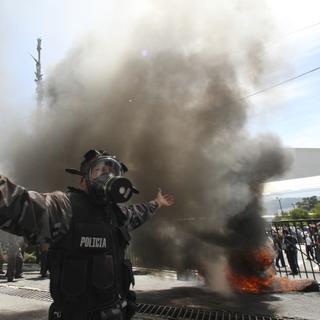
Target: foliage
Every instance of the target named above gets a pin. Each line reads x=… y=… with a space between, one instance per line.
x=307 y=208
x=294 y=214
x=308 y=203
x=316 y=211
x=30 y=258
x=299 y=213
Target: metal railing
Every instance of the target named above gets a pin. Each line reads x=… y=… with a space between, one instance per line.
x=291 y=238
x=307 y=261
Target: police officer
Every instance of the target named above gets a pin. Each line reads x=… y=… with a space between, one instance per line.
x=15 y=259
x=290 y=248
x=44 y=260
x=1 y=258
x=88 y=233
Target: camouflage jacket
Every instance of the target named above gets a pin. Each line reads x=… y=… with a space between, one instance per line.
x=43 y=217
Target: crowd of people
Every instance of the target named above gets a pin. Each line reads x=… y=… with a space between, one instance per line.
x=289 y=240
x=12 y=252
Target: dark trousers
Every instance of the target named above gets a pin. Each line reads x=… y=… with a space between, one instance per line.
x=280 y=258
x=292 y=259
x=19 y=265
x=309 y=250
x=15 y=264
x=11 y=267
x=44 y=262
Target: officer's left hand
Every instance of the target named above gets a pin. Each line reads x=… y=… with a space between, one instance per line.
x=165 y=200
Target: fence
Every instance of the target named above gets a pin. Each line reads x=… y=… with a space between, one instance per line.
x=307 y=260
x=298 y=244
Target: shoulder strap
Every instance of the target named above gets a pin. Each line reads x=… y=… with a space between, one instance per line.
x=120 y=216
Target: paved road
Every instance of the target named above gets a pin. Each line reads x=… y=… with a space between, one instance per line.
x=163 y=288
x=15 y=307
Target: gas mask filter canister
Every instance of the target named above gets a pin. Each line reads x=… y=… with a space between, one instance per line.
x=106 y=183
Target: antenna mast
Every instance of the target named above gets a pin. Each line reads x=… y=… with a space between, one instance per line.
x=39 y=75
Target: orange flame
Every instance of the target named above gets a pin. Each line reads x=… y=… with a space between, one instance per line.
x=264 y=277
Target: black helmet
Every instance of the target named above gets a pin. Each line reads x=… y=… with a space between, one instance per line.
x=93 y=156
x=103 y=174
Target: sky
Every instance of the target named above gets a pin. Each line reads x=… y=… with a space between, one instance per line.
x=290 y=111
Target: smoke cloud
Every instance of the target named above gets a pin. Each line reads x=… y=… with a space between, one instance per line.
x=165 y=98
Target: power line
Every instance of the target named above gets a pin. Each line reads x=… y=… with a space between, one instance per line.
x=243 y=98
x=293 y=78
x=254 y=93
x=302 y=29
x=280 y=83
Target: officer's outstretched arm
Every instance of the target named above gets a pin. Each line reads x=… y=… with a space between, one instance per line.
x=31 y=214
x=19 y=214
x=137 y=214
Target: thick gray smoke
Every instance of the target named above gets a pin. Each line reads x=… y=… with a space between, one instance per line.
x=168 y=104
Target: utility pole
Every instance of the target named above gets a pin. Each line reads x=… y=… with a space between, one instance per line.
x=280 y=205
x=39 y=75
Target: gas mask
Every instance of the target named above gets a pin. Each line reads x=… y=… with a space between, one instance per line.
x=105 y=181
x=103 y=175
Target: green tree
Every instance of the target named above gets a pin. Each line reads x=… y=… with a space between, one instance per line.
x=316 y=211
x=308 y=203
x=297 y=213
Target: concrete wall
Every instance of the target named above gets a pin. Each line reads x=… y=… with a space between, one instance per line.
x=306 y=164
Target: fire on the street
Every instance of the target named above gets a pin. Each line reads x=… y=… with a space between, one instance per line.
x=261 y=275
